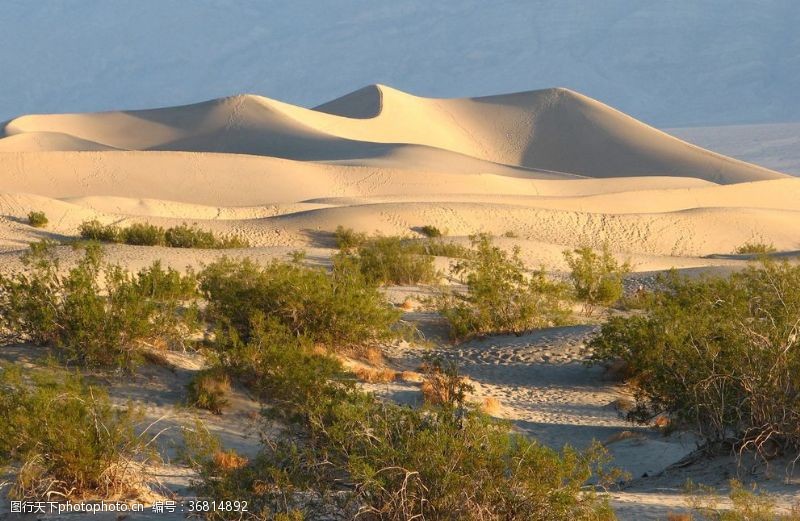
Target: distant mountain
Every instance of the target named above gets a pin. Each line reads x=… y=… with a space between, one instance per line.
x=667 y=63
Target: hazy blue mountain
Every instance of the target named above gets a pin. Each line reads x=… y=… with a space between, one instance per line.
x=673 y=63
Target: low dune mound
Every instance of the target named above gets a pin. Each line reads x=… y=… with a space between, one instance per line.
x=552 y=133
x=48 y=142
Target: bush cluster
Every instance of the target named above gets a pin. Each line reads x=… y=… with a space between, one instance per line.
x=145 y=234
x=719 y=354
x=391 y=260
x=37 y=219
x=596 y=276
x=95 y=314
x=338 y=308
x=67 y=439
x=443 y=462
x=347 y=238
x=756 y=248
x=430 y=231
x=501 y=296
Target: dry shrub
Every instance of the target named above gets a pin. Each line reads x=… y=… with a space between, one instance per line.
x=228 y=460
x=409 y=304
x=320 y=350
x=209 y=390
x=373 y=355
x=621 y=436
x=443 y=385
x=411 y=377
x=376 y=376
x=491 y=406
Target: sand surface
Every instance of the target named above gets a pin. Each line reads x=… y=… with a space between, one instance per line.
x=551 y=169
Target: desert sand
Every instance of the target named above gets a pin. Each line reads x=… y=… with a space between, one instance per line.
x=553 y=169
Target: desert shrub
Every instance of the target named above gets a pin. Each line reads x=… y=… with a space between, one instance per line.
x=95 y=231
x=443 y=462
x=185 y=236
x=438 y=248
x=392 y=260
x=719 y=354
x=756 y=248
x=501 y=296
x=347 y=238
x=37 y=219
x=208 y=389
x=442 y=383
x=596 y=276
x=430 y=231
x=67 y=440
x=337 y=308
x=143 y=234
x=94 y=313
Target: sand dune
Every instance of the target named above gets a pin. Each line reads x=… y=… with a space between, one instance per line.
x=552 y=167
x=554 y=129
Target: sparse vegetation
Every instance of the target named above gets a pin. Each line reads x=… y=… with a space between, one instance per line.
x=431 y=231
x=347 y=238
x=596 y=276
x=37 y=219
x=747 y=504
x=340 y=309
x=391 y=260
x=185 y=236
x=756 y=248
x=95 y=314
x=94 y=230
x=501 y=296
x=145 y=234
x=721 y=355
x=443 y=462
x=142 y=234
x=67 y=440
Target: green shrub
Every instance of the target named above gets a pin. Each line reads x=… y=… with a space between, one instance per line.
x=757 y=248
x=94 y=231
x=143 y=234
x=596 y=276
x=438 y=463
x=439 y=248
x=185 y=236
x=510 y=234
x=392 y=260
x=67 y=439
x=501 y=296
x=430 y=231
x=340 y=308
x=94 y=313
x=721 y=355
x=37 y=219
x=347 y=238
